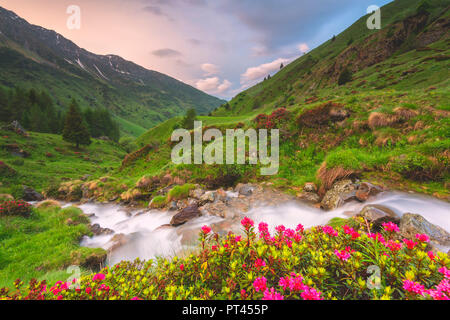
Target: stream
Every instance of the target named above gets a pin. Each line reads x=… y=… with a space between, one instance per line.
x=143 y=237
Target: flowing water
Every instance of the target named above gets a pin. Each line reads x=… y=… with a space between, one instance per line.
x=146 y=236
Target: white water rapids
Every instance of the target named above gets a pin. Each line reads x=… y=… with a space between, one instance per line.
x=146 y=240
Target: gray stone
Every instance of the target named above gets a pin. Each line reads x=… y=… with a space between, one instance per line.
x=185 y=215
x=29 y=194
x=338 y=194
x=196 y=193
x=310 y=187
x=412 y=224
x=378 y=214
x=245 y=189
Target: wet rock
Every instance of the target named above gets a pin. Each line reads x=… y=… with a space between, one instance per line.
x=310 y=187
x=164 y=227
x=412 y=224
x=378 y=214
x=173 y=206
x=209 y=196
x=339 y=193
x=98 y=231
x=367 y=190
x=118 y=240
x=185 y=215
x=245 y=189
x=29 y=194
x=196 y=193
x=219 y=209
x=309 y=197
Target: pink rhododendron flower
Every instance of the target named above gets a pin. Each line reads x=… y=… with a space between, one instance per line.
x=422 y=237
x=182 y=267
x=330 y=231
x=343 y=255
x=393 y=245
x=206 y=229
x=391 y=227
x=311 y=294
x=259 y=263
x=99 y=277
x=409 y=244
x=351 y=231
x=377 y=236
x=300 y=228
x=260 y=284
x=431 y=255
x=413 y=287
x=247 y=223
x=237 y=239
x=88 y=290
x=272 y=295
x=445 y=272
x=280 y=229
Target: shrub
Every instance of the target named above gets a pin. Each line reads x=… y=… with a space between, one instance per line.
x=180 y=192
x=416 y=166
x=15 y=208
x=316 y=264
x=158 y=202
x=345 y=76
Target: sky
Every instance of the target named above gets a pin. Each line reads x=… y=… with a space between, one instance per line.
x=218 y=46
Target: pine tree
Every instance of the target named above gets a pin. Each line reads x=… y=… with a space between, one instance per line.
x=345 y=76
x=188 y=120
x=75 y=131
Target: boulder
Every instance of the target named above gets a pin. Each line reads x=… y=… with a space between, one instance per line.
x=173 y=206
x=245 y=189
x=209 y=196
x=117 y=241
x=196 y=193
x=185 y=215
x=412 y=224
x=29 y=194
x=339 y=193
x=310 y=187
x=98 y=231
x=366 y=190
x=378 y=214
x=309 y=197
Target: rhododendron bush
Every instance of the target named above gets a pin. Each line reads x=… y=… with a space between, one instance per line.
x=16 y=208
x=315 y=264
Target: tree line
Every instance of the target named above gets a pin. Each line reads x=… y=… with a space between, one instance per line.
x=36 y=112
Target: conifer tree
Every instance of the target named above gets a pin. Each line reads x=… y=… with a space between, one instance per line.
x=75 y=131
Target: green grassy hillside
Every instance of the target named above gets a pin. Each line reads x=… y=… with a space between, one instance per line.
x=51 y=160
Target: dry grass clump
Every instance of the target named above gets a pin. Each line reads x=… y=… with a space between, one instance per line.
x=328 y=176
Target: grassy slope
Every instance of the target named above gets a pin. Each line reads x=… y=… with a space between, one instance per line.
x=43 y=245
x=66 y=162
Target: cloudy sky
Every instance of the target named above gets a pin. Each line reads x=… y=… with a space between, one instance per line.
x=218 y=46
